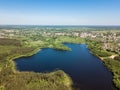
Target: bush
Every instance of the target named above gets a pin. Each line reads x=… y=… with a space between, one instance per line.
x=117 y=58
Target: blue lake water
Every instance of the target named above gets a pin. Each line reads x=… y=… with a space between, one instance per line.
x=86 y=70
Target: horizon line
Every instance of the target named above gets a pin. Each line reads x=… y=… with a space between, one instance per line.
x=50 y=25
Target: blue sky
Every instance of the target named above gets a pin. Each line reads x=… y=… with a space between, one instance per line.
x=60 y=12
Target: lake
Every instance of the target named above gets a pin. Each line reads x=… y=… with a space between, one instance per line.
x=86 y=70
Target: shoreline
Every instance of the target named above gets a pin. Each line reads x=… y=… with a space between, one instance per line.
x=39 y=49
x=104 y=61
x=67 y=79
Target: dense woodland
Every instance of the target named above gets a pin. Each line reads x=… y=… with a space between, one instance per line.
x=17 y=41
